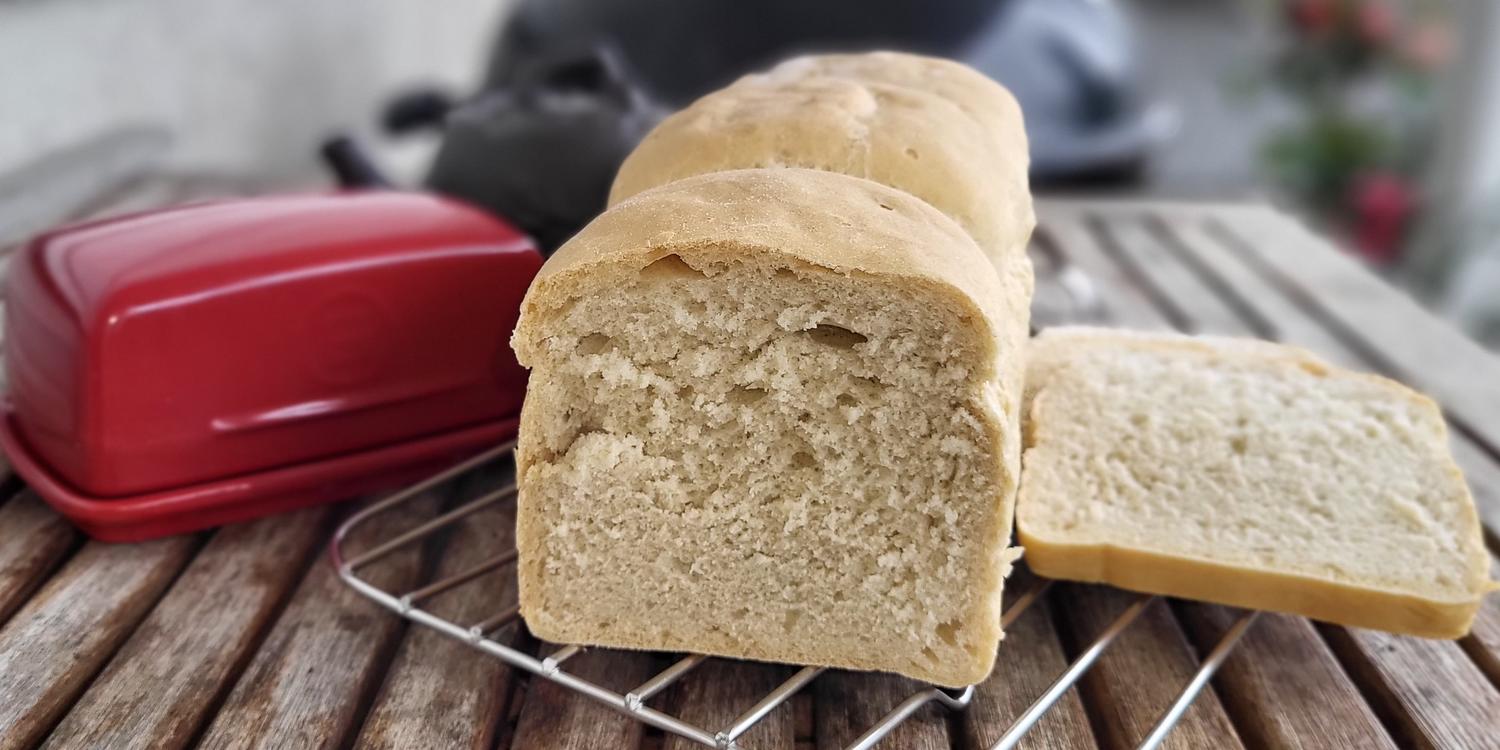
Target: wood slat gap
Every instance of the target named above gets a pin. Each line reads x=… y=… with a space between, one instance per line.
x=957 y=737
x=385 y=653
x=374 y=680
x=405 y=711
x=1482 y=657
x=1104 y=237
x=11 y=484
x=199 y=541
x=45 y=575
x=72 y=542
x=1356 y=657
x=314 y=554
x=1152 y=311
x=46 y=727
x=1253 y=319
x=1377 y=694
x=1073 y=644
x=519 y=688
x=1248 y=730
x=1308 y=303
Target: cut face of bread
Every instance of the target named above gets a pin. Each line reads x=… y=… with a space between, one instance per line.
x=1246 y=473
x=772 y=415
x=934 y=128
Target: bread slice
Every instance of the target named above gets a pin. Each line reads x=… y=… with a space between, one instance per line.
x=934 y=128
x=773 y=414
x=1246 y=473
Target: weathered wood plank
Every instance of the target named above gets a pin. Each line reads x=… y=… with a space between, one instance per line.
x=1141 y=674
x=846 y=704
x=1294 y=324
x=1282 y=686
x=1030 y=658
x=1133 y=245
x=58 y=641
x=1429 y=692
x=1137 y=304
x=326 y=652
x=556 y=717
x=33 y=540
x=159 y=689
x=803 y=721
x=1366 y=655
x=719 y=690
x=1483 y=644
x=1370 y=315
x=1289 y=322
x=439 y=692
x=1126 y=303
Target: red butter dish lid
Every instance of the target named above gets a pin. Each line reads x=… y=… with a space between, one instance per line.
x=266 y=345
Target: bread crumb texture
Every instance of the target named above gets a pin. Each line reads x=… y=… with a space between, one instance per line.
x=1247 y=473
x=768 y=444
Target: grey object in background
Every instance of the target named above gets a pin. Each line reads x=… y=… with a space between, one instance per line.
x=1072 y=65
x=542 y=150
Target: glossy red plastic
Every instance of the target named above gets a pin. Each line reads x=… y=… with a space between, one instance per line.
x=236 y=358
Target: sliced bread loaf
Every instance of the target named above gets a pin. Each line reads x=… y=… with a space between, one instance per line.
x=934 y=128
x=1245 y=473
x=773 y=414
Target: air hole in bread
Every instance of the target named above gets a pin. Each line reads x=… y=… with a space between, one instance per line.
x=930 y=655
x=845 y=399
x=1238 y=445
x=911 y=153
x=669 y=266
x=948 y=631
x=838 y=337
x=582 y=432
x=886 y=207
x=744 y=395
x=594 y=343
x=803 y=460
x=789 y=620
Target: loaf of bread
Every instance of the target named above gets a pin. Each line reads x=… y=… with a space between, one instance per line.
x=933 y=128
x=1246 y=473
x=773 y=414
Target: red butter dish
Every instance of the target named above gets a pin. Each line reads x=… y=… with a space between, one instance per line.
x=185 y=368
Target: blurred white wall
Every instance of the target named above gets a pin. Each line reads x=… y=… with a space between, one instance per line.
x=243 y=86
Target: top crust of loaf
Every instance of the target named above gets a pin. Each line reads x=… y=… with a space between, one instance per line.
x=833 y=221
x=934 y=128
x=1153 y=568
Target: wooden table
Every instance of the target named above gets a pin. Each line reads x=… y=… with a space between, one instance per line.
x=245 y=637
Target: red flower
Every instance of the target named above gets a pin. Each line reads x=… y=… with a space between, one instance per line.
x=1313 y=17
x=1382 y=205
x=1375 y=22
x=1429 y=47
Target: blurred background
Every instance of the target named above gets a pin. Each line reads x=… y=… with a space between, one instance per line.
x=1377 y=121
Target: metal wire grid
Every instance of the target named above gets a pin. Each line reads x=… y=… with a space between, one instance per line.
x=635 y=702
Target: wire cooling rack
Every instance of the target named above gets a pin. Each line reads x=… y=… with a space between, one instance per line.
x=636 y=702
